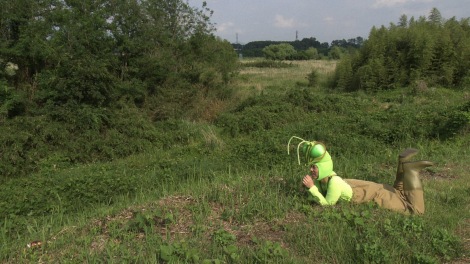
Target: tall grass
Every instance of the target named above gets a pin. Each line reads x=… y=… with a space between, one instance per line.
x=228 y=193
x=262 y=80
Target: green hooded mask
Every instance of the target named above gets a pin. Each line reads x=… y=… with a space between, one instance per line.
x=315 y=154
x=325 y=166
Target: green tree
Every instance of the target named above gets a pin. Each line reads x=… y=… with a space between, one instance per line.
x=281 y=51
x=84 y=65
x=95 y=52
x=435 y=17
x=403 y=22
x=344 y=75
x=312 y=53
x=336 y=53
x=427 y=50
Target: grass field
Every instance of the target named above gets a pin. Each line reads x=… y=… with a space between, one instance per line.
x=231 y=194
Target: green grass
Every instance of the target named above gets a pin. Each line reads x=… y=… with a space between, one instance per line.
x=228 y=193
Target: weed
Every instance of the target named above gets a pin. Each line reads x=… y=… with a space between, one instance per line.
x=445 y=244
x=223 y=238
x=178 y=252
x=266 y=251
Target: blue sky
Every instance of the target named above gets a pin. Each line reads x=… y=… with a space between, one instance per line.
x=325 y=20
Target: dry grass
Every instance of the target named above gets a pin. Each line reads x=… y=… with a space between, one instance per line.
x=255 y=81
x=299 y=69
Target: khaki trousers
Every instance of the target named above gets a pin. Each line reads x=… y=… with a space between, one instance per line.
x=385 y=196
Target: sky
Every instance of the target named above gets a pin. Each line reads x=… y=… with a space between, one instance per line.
x=326 y=20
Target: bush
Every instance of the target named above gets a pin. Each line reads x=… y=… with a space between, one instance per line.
x=456 y=120
x=62 y=192
x=268 y=64
x=312 y=78
x=44 y=142
x=258 y=114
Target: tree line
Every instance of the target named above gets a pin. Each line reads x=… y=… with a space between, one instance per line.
x=255 y=48
x=422 y=52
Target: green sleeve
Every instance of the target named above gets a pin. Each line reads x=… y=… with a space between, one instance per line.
x=332 y=195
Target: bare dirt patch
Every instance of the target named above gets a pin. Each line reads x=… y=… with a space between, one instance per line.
x=183 y=225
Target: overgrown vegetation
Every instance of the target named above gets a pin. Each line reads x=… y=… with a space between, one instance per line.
x=77 y=79
x=160 y=185
x=229 y=193
x=268 y=64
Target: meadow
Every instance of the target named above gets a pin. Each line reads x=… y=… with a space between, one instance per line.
x=226 y=191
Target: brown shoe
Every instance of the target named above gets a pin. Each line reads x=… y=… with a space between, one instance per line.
x=405 y=156
x=412 y=186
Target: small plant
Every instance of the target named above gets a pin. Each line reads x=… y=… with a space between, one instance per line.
x=267 y=250
x=371 y=251
x=232 y=252
x=413 y=225
x=312 y=78
x=420 y=258
x=223 y=238
x=446 y=244
x=176 y=252
x=140 y=223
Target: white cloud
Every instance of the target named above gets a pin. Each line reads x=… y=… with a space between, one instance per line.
x=329 y=20
x=324 y=20
x=391 y=3
x=224 y=27
x=282 y=22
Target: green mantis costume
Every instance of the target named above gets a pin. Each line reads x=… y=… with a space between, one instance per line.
x=406 y=195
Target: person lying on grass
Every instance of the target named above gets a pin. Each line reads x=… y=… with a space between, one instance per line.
x=405 y=196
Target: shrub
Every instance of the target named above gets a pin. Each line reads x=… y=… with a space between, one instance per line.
x=44 y=142
x=312 y=78
x=268 y=64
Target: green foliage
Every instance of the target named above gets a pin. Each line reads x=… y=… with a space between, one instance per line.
x=309 y=54
x=267 y=251
x=223 y=238
x=281 y=51
x=232 y=252
x=312 y=78
x=139 y=223
x=457 y=119
x=258 y=114
x=307 y=48
x=336 y=53
x=43 y=142
x=169 y=253
x=197 y=192
x=74 y=70
x=268 y=64
x=312 y=53
x=11 y=103
x=285 y=51
x=63 y=193
x=446 y=244
x=344 y=76
x=424 y=50
x=369 y=240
